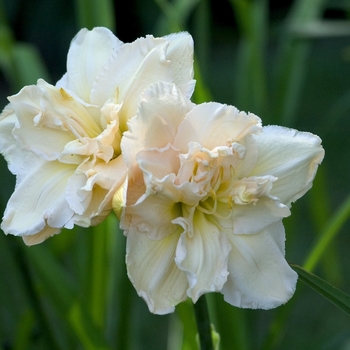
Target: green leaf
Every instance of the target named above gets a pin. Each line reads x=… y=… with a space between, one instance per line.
x=330 y=231
x=54 y=283
x=327 y=290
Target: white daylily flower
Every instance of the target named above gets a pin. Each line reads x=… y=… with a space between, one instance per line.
x=63 y=141
x=202 y=208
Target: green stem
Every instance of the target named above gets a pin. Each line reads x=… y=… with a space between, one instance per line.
x=203 y=324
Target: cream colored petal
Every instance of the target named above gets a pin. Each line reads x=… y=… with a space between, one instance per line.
x=292 y=157
x=88 y=54
x=90 y=189
x=203 y=255
x=143 y=63
x=9 y=147
x=180 y=53
x=213 y=124
x=259 y=276
x=159 y=167
x=63 y=110
x=38 y=139
x=129 y=64
x=251 y=218
x=162 y=109
x=40 y=236
x=8 y=121
x=152 y=215
x=158 y=163
x=39 y=200
x=153 y=272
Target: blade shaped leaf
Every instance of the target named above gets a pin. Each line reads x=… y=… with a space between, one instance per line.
x=327 y=290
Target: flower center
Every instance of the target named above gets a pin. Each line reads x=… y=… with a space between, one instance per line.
x=222 y=194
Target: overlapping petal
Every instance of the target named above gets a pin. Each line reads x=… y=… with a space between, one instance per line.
x=192 y=256
x=89 y=52
x=216 y=176
x=31 y=208
x=163 y=107
x=152 y=270
x=259 y=276
x=294 y=162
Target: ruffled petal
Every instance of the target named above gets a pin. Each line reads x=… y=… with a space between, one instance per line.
x=213 y=124
x=153 y=272
x=163 y=107
x=90 y=190
x=143 y=62
x=39 y=200
x=88 y=54
x=203 y=256
x=292 y=157
x=9 y=148
x=259 y=276
x=152 y=215
x=37 y=139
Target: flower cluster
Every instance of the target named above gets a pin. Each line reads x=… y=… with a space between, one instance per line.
x=200 y=190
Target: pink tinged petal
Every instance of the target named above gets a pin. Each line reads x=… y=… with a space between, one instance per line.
x=213 y=124
x=203 y=257
x=162 y=106
x=259 y=276
x=39 y=200
x=180 y=53
x=291 y=156
x=87 y=55
x=40 y=236
x=153 y=272
x=158 y=163
x=159 y=167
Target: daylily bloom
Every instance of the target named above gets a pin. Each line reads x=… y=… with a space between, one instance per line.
x=203 y=204
x=63 y=141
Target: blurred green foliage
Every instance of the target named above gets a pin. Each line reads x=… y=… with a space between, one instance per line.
x=289 y=63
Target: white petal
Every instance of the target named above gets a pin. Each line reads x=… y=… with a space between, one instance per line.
x=203 y=256
x=88 y=53
x=153 y=272
x=259 y=275
x=251 y=218
x=161 y=111
x=180 y=53
x=132 y=69
x=153 y=215
x=39 y=200
x=38 y=139
x=213 y=124
x=90 y=190
x=292 y=157
x=9 y=148
x=157 y=164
